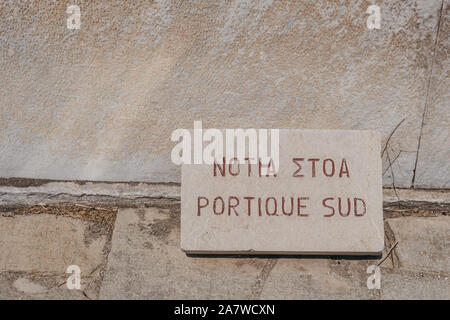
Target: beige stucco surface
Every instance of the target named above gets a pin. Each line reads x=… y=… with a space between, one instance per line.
x=432 y=168
x=100 y=103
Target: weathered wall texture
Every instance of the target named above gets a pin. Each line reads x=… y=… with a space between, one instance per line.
x=433 y=168
x=100 y=103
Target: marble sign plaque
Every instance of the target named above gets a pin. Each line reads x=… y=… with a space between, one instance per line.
x=326 y=198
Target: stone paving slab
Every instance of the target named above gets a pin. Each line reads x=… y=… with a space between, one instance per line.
x=146 y=262
x=29 y=286
x=48 y=243
x=423 y=243
x=398 y=284
x=318 y=279
x=347 y=279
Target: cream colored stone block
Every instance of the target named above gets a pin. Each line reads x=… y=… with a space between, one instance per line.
x=237 y=214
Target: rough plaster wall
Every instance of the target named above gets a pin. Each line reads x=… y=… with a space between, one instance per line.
x=433 y=167
x=100 y=103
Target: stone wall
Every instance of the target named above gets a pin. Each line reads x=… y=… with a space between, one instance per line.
x=100 y=103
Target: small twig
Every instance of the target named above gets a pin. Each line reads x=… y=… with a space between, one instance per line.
x=95 y=269
x=385 y=149
x=389 y=252
x=84 y=294
x=100 y=208
x=390 y=136
x=88 y=207
x=393 y=176
x=393 y=161
x=43 y=205
x=80 y=205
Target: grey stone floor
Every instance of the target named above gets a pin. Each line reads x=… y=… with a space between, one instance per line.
x=127 y=252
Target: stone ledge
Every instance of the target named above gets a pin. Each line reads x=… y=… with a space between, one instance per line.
x=30 y=192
